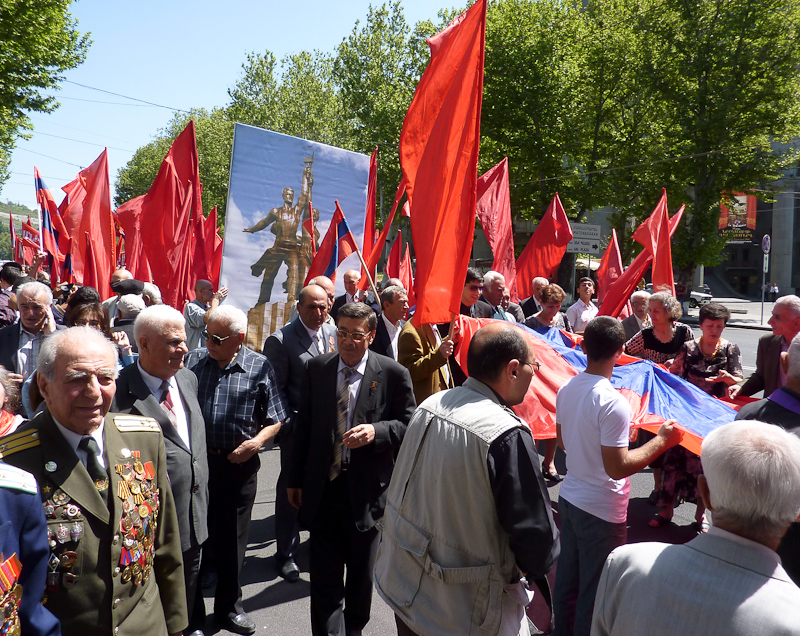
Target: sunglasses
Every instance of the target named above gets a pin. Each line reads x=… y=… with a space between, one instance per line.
x=476 y=287
x=217 y=340
x=357 y=336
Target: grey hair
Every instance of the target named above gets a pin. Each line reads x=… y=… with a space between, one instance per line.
x=389 y=294
x=540 y=280
x=640 y=295
x=753 y=475
x=152 y=292
x=670 y=304
x=230 y=316
x=156 y=318
x=794 y=360
x=792 y=302
x=491 y=277
x=35 y=289
x=129 y=305
x=84 y=336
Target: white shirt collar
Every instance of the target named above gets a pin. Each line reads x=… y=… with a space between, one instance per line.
x=153 y=383
x=360 y=367
x=73 y=438
x=390 y=327
x=311 y=332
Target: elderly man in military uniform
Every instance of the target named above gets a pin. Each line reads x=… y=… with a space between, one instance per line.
x=115 y=553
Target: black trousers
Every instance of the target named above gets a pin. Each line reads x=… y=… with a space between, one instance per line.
x=287 y=534
x=194 y=597
x=231 y=495
x=339 y=607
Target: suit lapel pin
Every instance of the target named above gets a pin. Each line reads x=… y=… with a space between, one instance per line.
x=51 y=467
x=125 y=452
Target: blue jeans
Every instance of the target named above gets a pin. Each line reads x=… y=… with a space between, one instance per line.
x=586 y=542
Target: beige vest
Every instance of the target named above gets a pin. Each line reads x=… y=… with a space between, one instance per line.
x=444 y=561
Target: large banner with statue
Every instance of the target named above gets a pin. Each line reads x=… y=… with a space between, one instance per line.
x=267 y=251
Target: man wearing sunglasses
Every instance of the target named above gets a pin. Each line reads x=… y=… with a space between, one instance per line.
x=242 y=409
x=353 y=416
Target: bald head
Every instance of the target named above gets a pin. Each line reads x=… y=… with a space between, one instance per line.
x=351 y=278
x=121 y=274
x=499 y=356
x=326 y=284
x=312 y=305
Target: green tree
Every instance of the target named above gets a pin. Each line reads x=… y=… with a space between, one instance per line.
x=38 y=41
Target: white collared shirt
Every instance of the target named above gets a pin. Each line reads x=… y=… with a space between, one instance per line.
x=642 y=323
x=181 y=421
x=316 y=336
x=580 y=314
x=355 y=385
x=74 y=439
x=394 y=332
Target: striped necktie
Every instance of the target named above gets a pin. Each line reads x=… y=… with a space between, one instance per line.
x=342 y=407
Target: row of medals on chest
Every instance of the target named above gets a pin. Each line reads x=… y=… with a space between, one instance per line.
x=137 y=526
x=10 y=595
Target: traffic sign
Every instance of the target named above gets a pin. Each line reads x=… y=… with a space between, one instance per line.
x=766 y=244
x=583 y=246
x=585 y=231
x=766 y=263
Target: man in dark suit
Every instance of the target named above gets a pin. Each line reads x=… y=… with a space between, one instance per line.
x=394 y=305
x=20 y=342
x=768 y=376
x=158 y=386
x=351 y=293
x=350 y=425
x=533 y=304
x=489 y=304
x=288 y=350
x=640 y=318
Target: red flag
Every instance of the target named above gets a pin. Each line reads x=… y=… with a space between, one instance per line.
x=91 y=274
x=654 y=235
x=377 y=249
x=407 y=276
x=55 y=238
x=406 y=210
x=337 y=245
x=216 y=263
x=439 y=147
x=393 y=263
x=610 y=266
x=545 y=249
x=129 y=215
x=619 y=292
x=87 y=210
x=13 y=232
x=308 y=227
x=165 y=226
x=494 y=212
x=370 y=231
x=210 y=242
x=67 y=275
x=31 y=244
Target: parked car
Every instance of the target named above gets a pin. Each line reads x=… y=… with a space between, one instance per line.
x=696 y=299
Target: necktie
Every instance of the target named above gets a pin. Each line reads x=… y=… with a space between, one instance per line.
x=318 y=342
x=167 y=403
x=342 y=407
x=96 y=471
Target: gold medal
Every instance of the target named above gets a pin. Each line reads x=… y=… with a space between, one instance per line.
x=126 y=574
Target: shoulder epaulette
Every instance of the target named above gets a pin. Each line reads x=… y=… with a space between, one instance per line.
x=17 y=479
x=134 y=423
x=18 y=441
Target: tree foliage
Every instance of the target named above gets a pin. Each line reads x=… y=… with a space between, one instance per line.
x=38 y=41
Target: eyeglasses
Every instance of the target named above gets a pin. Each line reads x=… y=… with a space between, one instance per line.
x=357 y=336
x=217 y=340
x=476 y=287
x=533 y=365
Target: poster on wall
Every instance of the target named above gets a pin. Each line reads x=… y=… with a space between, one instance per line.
x=737 y=218
x=267 y=253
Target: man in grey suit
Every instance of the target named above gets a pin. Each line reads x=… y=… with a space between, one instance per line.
x=785 y=323
x=158 y=386
x=729 y=581
x=288 y=350
x=640 y=318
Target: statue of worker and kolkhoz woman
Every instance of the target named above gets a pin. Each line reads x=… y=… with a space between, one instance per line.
x=288 y=248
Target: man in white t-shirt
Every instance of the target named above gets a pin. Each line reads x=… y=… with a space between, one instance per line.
x=593 y=426
x=584 y=310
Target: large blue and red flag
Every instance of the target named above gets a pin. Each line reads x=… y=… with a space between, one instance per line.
x=337 y=245
x=655 y=395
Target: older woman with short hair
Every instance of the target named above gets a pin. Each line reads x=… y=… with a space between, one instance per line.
x=712 y=364
x=552 y=297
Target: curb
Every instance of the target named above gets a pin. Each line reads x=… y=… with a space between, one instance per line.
x=692 y=320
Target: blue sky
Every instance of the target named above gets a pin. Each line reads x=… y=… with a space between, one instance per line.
x=175 y=53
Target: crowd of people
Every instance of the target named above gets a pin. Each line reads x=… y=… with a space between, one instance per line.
x=138 y=429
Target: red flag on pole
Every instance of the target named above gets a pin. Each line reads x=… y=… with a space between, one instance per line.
x=544 y=251
x=91 y=274
x=619 y=292
x=13 y=232
x=31 y=244
x=610 y=266
x=370 y=231
x=494 y=212
x=377 y=249
x=209 y=243
x=308 y=227
x=129 y=215
x=55 y=238
x=439 y=147
x=394 y=260
x=407 y=276
x=654 y=235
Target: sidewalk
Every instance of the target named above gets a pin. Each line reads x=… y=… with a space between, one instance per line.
x=745 y=314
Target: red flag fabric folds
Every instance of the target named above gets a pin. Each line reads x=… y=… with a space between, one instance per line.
x=439 y=156
x=129 y=215
x=619 y=292
x=377 y=249
x=610 y=270
x=337 y=245
x=407 y=276
x=370 y=231
x=655 y=236
x=545 y=249
x=394 y=260
x=494 y=212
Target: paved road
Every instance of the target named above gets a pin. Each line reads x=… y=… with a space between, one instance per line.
x=282 y=608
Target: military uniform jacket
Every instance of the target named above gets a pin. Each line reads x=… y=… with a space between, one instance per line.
x=90 y=587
